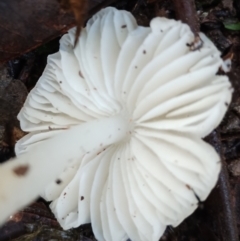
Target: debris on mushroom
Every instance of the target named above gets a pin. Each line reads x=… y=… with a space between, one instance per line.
x=118 y=121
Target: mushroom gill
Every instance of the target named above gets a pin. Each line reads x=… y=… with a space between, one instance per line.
x=116 y=125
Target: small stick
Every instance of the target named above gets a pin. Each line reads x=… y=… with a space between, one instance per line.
x=186 y=12
x=220 y=201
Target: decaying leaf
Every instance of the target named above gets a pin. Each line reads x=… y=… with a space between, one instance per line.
x=25 y=26
x=36 y=222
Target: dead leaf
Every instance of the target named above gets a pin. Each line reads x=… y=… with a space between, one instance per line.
x=25 y=26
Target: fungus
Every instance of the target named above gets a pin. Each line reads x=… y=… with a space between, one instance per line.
x=119 y=119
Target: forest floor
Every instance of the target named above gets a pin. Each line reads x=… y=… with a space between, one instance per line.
x=216 y=219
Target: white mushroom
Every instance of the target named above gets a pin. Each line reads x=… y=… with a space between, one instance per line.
x=115 y=129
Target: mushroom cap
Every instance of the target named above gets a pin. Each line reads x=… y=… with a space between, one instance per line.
x=171 y=96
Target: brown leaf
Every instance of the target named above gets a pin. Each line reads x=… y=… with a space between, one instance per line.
x=25 y=26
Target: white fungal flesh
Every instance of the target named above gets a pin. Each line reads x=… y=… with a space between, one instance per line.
x=48 y=158
x=146 y=99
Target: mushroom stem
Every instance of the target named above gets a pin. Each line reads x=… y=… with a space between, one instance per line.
x=25 y=177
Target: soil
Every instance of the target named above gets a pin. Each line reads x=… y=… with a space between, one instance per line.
x=216 y=219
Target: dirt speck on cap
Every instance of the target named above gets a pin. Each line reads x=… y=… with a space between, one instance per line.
x=21 y=170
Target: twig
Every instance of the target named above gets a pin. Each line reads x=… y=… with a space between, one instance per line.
x=186 y=12
x=220 y=202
